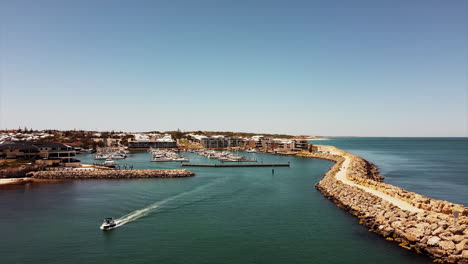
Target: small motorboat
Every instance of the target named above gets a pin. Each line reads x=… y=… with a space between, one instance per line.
x=109 y=163
x=108 y=224
x=181 y=159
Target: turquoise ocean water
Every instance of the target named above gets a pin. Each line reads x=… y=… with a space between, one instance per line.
x=222 y=215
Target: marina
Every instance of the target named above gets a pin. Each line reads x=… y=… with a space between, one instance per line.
x=234 y=132
x=109 y=163
x=166 y=155
x=256 y=198
x=105 y=155
x=223 y=156
x=237 y=165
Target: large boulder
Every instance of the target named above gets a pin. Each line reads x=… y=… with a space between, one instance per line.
x=438 y=231
x=457 y=238
x=446 y=235
x=433 y=241
x=447 y=245
x=461 y=246
x=413 y=234
x=397 y=224
x=435 y=252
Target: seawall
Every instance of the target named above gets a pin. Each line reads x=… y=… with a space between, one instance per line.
x=110 y=174
x=414 y=221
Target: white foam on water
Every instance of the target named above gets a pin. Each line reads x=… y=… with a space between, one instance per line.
x=145 y=211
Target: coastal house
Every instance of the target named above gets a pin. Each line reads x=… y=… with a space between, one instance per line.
x=15 y=150
x=220 y=142
x=196 y=138
x=300 y=144
x=113 y=142
x=46 y=153
x=215 y=142
x=143 y=142
x=284 y=145
x=313 y=148
x=276 y=144
x=77 y=146
x=236 y=142
x=256 y=142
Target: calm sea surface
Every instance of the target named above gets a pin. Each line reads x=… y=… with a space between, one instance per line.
x=435 y=167
x=222 y=215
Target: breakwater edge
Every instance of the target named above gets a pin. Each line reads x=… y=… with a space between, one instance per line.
x=83 y=174
x=110 y=174
x=432 y=227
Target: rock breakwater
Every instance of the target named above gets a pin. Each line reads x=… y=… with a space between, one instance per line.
x=110 y=174
x=429 y=229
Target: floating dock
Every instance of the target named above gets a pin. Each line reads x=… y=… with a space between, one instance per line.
x=237 y=165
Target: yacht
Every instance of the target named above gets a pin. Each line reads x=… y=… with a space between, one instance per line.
x=180 y=159
x=109 y=163
x=101 y=156
x=118 y=156
x=108 y=224
x=166 y=156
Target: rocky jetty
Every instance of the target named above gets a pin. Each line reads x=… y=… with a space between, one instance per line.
x=110 y=174
x=433 y=231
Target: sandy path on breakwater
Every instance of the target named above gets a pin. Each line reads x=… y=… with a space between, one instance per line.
x=341 y=175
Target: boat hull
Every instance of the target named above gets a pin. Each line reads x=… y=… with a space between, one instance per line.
x=107 y=227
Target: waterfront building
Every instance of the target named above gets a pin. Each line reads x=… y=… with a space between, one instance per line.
x=236 y=142
x=114 y=142
x=215 y=142
x=15 y=150
x=196 y=138
x=219 y=142
x=284 y=145
x=77 y=146
x=143 y=142
x=300 y=144
x=46 y=153
x=313 y=148
x=256 y=142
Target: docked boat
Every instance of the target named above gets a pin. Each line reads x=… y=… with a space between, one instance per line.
x=109 y=163
x=111 y=155
x=166 y=156
x=101 y=156
x=181 y=159
x=118 y=156
x=224 y=156
x=161 y=159
x=108 y=224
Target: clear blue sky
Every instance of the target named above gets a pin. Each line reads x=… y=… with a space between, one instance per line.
x=357 y=68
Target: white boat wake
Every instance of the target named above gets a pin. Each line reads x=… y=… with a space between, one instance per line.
x=145 y=211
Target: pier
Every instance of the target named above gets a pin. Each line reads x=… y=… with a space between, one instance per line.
x=236 y=165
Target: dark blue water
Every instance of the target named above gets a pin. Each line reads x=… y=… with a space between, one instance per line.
x=222 y=215
x=435 y=167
